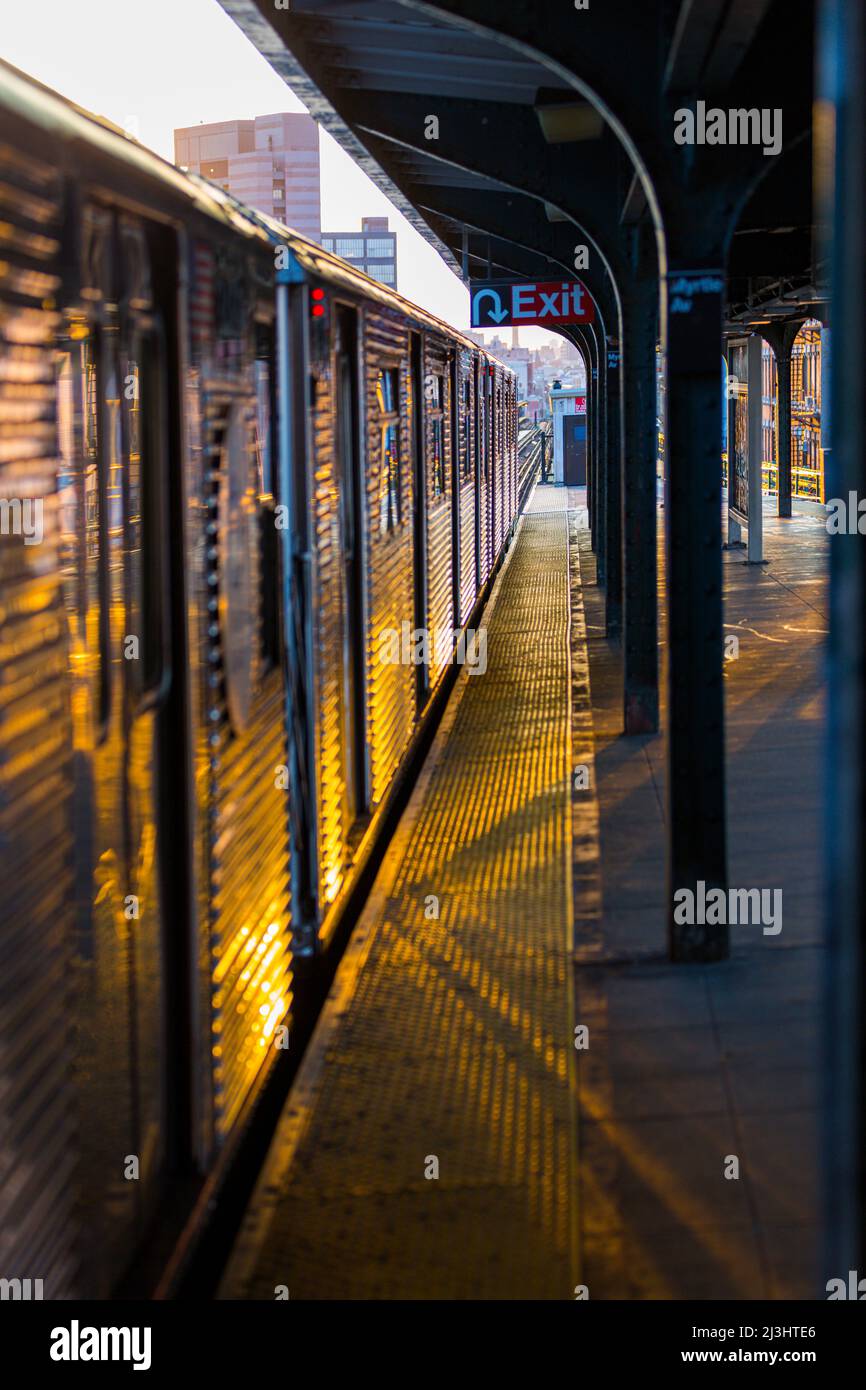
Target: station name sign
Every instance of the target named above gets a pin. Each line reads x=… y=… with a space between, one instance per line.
x=548 y=303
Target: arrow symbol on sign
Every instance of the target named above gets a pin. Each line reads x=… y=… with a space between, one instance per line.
x=497 y=314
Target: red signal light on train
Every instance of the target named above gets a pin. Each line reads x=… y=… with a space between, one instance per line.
x=318 y=294
x=318 y=311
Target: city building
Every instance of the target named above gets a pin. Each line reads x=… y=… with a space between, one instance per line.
x=270 y=163
x=536 y=368
x=373 y=249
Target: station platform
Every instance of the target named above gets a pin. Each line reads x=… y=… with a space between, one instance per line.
x=444 y=1138
x=695 y=1063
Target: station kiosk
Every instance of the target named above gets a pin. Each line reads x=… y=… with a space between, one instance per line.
x=568 y=412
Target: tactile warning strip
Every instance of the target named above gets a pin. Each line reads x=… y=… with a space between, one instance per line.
x=447 y=1042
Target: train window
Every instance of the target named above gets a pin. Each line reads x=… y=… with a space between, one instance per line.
x=134 y=483
x=90 y=452
x=437 y=405
x=143 y=408
x=239 y=539
x=83 y=504
x=388 y=398
x=465 y=427
x=71 y=468
x=264 y=426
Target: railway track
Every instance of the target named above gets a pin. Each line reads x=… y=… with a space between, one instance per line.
x=529 y=450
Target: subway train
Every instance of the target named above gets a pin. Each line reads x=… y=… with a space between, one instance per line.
x=230 y=467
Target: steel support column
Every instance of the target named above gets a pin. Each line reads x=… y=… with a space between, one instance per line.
x=593 y=337
x=579 y=335
x=613 y=493
x=638 y=455
x=586 y=336
x=781 y=339
x=601 y=547
x=696 y=744
x=591 y=453
x=841 y=138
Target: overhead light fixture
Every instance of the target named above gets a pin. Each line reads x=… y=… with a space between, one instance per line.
x=563 y=123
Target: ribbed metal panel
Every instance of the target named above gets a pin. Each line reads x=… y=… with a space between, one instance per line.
x=495 y=496
x=39 y=1154
x=489 y=501
x=501 y=473
x=391 y=685
x=440 y=603
x=508 y=412
x=198 y=620
x=515 y=460
x=466 y=372
x=328 y=623
x=250 y=891
x=509 y=471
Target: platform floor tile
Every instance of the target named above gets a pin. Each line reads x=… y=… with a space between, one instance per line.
x=447 y=1041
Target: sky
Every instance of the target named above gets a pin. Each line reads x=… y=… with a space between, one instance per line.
x=157 y=65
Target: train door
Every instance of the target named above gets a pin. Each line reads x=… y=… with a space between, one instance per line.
x=574 y=450
x=480 y=468
x=129 y=795
x=419 y=509
x=140 y=371
x=351 y=518
x=493 y=465
x=456 y=483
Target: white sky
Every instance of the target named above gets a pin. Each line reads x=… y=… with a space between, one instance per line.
x=155 y=65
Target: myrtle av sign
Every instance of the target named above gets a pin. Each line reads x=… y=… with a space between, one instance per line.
x=505 y=302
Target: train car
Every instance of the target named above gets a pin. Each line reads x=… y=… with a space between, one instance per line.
x=383 y=483
x=241 y=495
x=137 y=351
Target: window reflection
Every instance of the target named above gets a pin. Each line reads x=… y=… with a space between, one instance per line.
x=388 y=398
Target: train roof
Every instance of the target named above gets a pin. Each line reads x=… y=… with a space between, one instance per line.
x=315 y=261
x=64 y=120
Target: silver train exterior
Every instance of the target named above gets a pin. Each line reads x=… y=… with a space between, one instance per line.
x=249 y=497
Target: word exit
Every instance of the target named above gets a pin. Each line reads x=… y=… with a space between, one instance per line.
x=497 y=302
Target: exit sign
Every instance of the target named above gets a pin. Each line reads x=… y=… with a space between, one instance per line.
x=548 y=303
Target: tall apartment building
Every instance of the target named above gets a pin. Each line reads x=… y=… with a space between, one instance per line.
x=373 y=249
x=271 y=163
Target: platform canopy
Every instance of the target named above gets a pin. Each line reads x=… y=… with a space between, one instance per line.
x=474 y=121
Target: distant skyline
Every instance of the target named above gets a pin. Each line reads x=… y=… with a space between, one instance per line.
x=153 y=68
